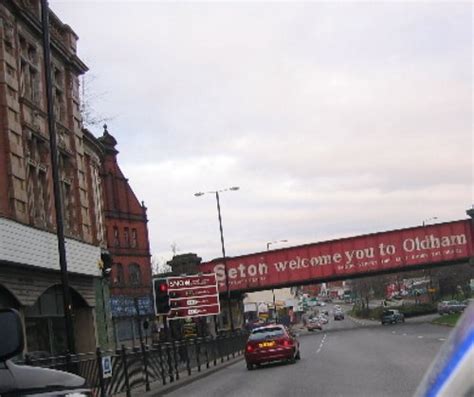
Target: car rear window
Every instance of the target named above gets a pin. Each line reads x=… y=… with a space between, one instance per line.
x=267 y=333
x=388 y=312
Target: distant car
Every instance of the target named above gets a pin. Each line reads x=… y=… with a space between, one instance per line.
x=314 y=324
x=392 y=317
x=448 y=307
x=325 y=312
x=322 y=319
x=271 y=343
x=338 y=315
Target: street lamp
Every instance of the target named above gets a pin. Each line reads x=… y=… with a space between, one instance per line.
x=425 y=221
x=433 y=218
x=216 y=192
x=275 y=313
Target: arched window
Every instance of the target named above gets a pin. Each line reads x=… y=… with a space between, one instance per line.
x=134 y=274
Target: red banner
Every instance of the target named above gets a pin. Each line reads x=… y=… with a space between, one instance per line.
x=393 y=250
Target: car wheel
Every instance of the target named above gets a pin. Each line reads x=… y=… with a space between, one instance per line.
x=249 y=366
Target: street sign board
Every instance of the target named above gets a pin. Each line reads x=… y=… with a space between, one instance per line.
x=186 y=293
x=107 y=367
x=194 y=301
x=193 y=296
x=198 y=311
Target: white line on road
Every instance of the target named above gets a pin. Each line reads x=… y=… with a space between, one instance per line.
x=404 y=334
x=321 y=344
x=393 y=332
x=420 y=336
x=441 y=339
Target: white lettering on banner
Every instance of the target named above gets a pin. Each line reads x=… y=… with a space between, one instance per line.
x=241 y=271
x=430 y=242
x=360 y=258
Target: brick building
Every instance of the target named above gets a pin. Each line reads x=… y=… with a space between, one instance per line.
x=29 y=264
x=127 y=240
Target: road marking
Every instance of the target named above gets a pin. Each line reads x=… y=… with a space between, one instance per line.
x=420 y=336
x=321 y=344
x=404 y=334
x=441 y=339
x=393 y=332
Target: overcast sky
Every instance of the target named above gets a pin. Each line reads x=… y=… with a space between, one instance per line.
x=334 y=118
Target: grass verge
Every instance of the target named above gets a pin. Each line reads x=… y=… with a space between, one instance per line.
x=449 y=319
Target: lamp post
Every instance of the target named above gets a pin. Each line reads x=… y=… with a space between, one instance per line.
x=425 y=221
x=216 y=192
x=275 y=313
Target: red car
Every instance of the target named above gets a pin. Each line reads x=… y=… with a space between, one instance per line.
x=271 y=343
x=314 y=324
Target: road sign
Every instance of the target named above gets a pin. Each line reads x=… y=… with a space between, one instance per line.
x=186 y=293
x=198 y=311
x=194 y=301
x=183 y=282
x=193 y=296
x=107 y=367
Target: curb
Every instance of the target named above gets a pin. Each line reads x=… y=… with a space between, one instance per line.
x=163 y=390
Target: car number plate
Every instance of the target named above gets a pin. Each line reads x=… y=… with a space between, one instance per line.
x=267 y=344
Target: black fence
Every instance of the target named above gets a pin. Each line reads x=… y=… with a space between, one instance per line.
x=134 y=368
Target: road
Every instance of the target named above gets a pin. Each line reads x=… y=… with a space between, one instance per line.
x=346 y=359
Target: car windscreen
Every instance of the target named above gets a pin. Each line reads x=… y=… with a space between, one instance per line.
x=267 y=333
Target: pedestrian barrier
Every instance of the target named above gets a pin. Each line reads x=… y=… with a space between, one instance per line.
x=133 y=368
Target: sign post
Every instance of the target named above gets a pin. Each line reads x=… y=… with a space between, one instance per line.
x=189 y=296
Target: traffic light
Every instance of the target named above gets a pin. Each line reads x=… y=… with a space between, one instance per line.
x=162 y=298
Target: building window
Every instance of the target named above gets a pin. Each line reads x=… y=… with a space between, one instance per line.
x=119 y=274
x=37 y=181
x=134 y=242
x=126 y=237
x=29 y=72
x=66 y=172
x=134 y=274
x=116 y=237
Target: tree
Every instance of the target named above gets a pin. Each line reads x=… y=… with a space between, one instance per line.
x=159 y=265
x=88 y=100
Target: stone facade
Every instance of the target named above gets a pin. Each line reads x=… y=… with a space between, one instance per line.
x=29 y=267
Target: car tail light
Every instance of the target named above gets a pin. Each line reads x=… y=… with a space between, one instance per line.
x=249 y=348
x=287 y=343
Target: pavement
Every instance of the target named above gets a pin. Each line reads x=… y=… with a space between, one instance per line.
x=347 y=358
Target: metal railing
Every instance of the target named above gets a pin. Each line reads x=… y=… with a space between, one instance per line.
x=163 y=362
